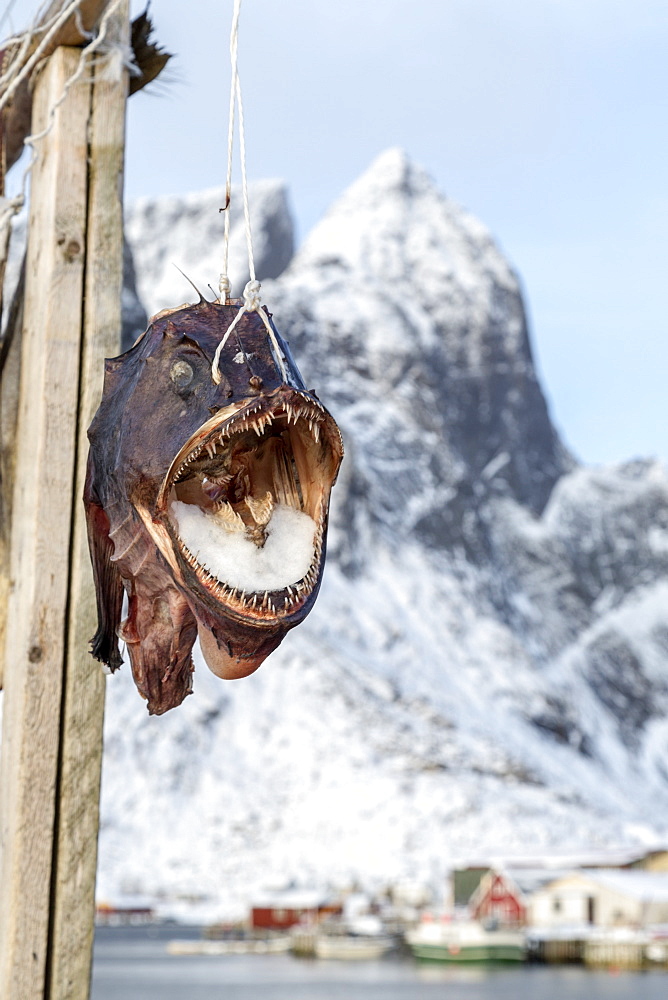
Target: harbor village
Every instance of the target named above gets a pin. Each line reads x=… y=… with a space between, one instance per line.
x=606 y=911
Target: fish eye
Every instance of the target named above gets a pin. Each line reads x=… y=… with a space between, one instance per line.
x=181 y=374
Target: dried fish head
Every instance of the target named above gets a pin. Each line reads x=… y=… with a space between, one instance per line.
x=207 y=502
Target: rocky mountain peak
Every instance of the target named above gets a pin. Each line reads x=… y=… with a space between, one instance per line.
x=428 y=353
x=394 y=227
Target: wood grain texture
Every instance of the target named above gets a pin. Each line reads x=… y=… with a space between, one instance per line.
x=10 y=372
x=41 y=530
x=83 y=715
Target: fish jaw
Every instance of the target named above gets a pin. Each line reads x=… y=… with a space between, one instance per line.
x=225 y=659
x=248 y=481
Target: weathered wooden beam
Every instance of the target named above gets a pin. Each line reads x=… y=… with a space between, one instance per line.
x=15 y=120
x=149 y=57
x=90 y=12
x=73 y=897
x=42 y=530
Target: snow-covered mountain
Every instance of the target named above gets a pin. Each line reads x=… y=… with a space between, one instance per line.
x=187 y=231
x=485 y=669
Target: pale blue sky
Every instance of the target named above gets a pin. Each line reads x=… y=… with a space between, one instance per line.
x=546 y=118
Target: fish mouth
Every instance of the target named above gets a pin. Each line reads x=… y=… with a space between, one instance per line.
x=245 y=503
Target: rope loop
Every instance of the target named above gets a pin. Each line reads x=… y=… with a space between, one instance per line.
x=252 y=296
x=224 y=288
x=252 y=303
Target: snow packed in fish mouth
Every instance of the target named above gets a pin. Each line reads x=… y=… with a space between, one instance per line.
x=233 y=558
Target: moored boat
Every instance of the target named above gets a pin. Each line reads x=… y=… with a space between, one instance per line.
x=464 y=941
x=335 y=939
x=350 y=946
x=230 y=946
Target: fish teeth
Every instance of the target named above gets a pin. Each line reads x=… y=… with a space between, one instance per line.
x=229 y=517
x=261 y=509
x=255 y=600
x=222 y=480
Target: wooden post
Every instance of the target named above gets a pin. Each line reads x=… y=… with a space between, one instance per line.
x=41 y=529
x=54 y=691
x=73 y=907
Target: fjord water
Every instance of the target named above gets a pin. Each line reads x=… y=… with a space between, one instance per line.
x=134 y=965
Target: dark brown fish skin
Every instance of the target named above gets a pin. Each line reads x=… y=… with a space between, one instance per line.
x=143 y=421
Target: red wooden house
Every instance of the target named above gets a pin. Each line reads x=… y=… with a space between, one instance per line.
x=503 y=894
x=279 y=911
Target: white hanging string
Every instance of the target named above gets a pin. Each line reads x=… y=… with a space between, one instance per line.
x=224 y=284
x=30 y=63
x=252 y=301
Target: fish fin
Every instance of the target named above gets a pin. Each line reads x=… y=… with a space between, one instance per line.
x=108 y=583
x=131 y=546
x=160 y=631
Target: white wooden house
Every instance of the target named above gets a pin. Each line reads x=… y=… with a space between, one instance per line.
x=601 y=897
